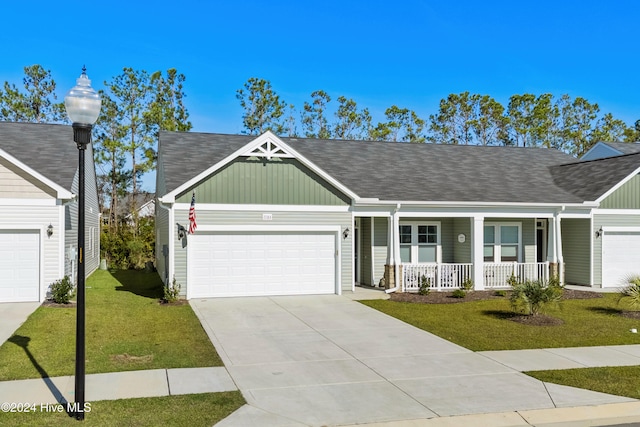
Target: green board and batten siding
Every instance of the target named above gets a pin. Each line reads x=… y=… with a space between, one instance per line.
x=625 y=197
x=269 y=182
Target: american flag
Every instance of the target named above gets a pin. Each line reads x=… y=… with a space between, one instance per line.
x=192 y=215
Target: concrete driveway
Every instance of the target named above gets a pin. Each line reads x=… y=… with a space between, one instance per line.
x=12 y=315
x=327 y=360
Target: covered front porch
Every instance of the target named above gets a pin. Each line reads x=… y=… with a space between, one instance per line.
x=402 y=251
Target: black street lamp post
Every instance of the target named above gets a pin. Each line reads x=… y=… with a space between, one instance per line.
x=83 y=107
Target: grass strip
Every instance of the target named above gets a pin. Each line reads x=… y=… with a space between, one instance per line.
x=126 y=329
x=193 y=410
x=618 y=380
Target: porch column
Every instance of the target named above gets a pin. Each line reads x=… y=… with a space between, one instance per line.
x=554 y=247
x=477 y=251
x=389 y=267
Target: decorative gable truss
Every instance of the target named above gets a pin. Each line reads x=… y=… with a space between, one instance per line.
x=267 y=149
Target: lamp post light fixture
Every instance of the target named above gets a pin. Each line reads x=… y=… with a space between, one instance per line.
x=83 y=107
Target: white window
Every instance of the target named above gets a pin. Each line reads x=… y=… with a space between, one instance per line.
x=419 y=242
x=503 y=242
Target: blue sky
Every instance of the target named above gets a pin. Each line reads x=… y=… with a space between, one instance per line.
x=380 y=53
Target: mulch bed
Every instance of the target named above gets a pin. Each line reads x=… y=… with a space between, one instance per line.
x=630 y=314
x=50 y=303
x=166 y=303
x=435 y=297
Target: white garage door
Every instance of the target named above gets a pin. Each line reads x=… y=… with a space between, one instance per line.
x=259 y=263
x=620 y=256
x=19 y=266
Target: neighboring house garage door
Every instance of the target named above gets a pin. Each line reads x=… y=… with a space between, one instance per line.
x=19 y=265
x=261 y=263
x=620 y=256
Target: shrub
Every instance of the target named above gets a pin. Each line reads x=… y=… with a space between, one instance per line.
x=512 y=280
x=425 y=285
x=172 y=291
x=500 y=293
x=467 y=285
x=631 y=293
x=530 y=297
x=62 y=290
x=459 y=293
x=128 y=248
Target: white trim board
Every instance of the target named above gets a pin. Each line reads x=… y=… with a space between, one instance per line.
x=263 y=208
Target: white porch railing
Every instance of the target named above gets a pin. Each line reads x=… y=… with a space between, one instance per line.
x=443 y=277
x=439 y=276
x=496 y=274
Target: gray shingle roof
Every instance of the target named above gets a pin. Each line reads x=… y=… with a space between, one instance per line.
x=591 y=179
x=434 y=172
x=47 y=149
x=415 y=172
x=625 y=147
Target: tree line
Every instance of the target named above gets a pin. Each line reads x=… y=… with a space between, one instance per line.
x=136 y=105
x=568 y=124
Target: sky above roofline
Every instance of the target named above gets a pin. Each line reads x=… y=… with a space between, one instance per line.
x=411 y=53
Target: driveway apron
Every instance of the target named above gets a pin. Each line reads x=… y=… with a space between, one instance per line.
x=327 y=360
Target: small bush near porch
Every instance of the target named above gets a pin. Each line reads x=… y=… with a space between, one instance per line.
x=485 y=324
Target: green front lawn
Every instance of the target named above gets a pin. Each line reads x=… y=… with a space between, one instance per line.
x=126 y=329
x=191 y=410
x=619 y=380
x=485 y=325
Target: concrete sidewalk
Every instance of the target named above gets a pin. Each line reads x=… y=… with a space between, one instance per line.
x=119 y=385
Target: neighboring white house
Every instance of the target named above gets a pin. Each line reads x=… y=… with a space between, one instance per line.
x=285 y=216
x=38 y=209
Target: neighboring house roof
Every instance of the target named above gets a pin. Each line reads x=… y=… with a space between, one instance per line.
x=591 y=179
x=142 y=201
x=391 y=171
x=44 y=148
x=625 y=147
x=610 y=149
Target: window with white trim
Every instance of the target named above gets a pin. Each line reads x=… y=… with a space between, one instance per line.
x=503 y=242
x=419 y=242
